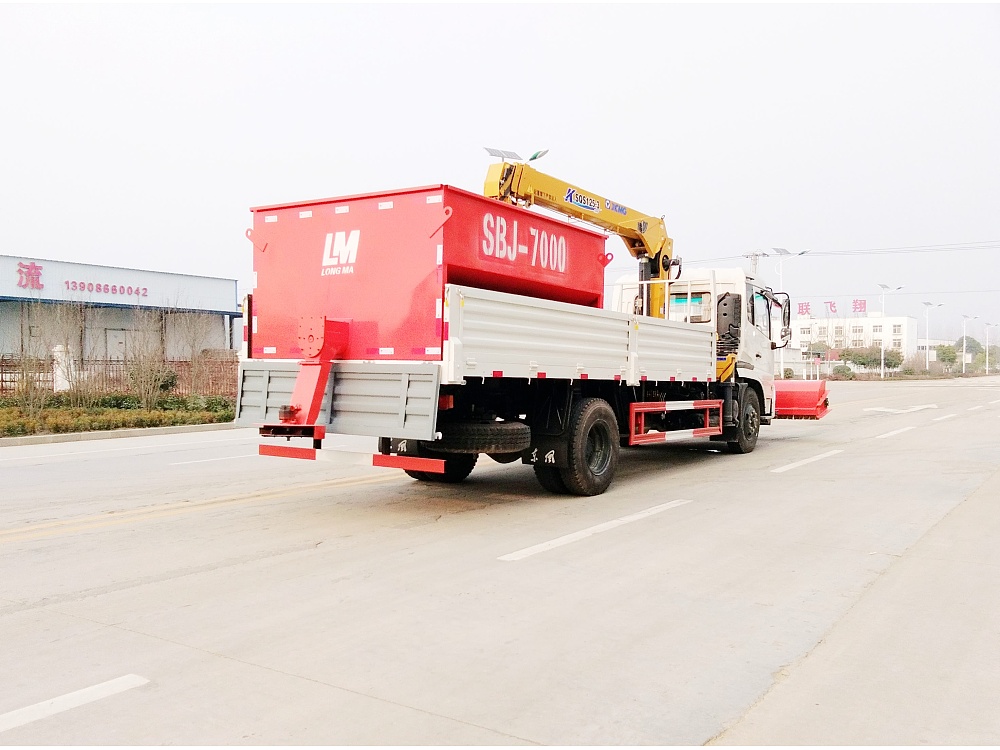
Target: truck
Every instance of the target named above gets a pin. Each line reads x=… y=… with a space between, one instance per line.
x=449 y=325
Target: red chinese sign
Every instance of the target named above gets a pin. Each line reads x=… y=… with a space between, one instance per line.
x=29 y=276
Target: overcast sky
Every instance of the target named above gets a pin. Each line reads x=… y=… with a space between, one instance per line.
x=140 y=136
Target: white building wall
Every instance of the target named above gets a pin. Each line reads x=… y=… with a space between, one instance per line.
x=10 y=327
x=856 y=332
x=104 y=332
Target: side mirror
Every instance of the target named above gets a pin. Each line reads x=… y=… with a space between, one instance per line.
x=782 y=299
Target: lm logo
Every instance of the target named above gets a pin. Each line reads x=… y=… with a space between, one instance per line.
x=340 y=252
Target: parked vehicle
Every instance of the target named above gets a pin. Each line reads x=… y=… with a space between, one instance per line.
x=451 y=325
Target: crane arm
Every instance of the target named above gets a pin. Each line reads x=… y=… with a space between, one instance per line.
x=644 y=235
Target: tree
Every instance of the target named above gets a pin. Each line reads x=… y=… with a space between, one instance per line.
x=147 y=366
x=947 y=356
x=972 y=346
x=194 y=330
x=893 y=359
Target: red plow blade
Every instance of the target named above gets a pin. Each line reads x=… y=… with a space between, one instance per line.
x=800 y=399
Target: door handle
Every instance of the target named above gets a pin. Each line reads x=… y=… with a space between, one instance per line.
x=758 y=356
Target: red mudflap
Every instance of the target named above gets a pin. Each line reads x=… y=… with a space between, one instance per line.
x=800 y=399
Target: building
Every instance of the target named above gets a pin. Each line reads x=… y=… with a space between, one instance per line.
x=87 y=313
x=856 y=332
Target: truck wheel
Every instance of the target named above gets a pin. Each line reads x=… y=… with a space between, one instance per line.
x=505 y=458
x=483 y=437
x=749 y=425
x=457 y=467
x=550 y=479
x=593 y=448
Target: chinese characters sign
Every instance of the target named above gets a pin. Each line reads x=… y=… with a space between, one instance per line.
x=29 y=276
x=858 y=306
x=32 y=279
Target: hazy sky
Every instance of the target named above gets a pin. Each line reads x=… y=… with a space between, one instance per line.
x=140 y=135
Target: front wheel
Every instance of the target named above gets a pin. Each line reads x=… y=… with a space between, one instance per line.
x=749 y=425
x=593 y=448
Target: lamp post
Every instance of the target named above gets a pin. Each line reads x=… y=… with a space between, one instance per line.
x=988 y=327
x=927 y=341
x=782 y=253
x=885 y=290
x=965 y=322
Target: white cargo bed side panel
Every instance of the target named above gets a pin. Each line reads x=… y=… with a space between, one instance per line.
x=666 y=350
x=523 y=336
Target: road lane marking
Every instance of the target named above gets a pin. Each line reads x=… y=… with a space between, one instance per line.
x=601 y=527
x=119 y=518
x=206 y=460
x=974 y=408
x=805 y=461
x=902 y=411
x=995 y=402
x=894 y=432
x=946 y=416
x=22 y=716
x=125 y=448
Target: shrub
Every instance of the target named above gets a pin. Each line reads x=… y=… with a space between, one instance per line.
x=842 y=372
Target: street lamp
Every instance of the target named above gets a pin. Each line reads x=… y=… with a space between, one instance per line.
x=965 y=322
x=988 y=327
x=927 y=341
x=885 y=290
x=782 y=253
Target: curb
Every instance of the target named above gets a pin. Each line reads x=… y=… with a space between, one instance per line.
x=72 y=437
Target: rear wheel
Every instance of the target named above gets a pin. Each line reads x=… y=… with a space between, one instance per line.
x=593 y=448
x=483 y=437
x=550 y=479
x=749 y=425
x=457 y=466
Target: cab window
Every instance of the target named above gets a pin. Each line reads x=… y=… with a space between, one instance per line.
x=761 y=313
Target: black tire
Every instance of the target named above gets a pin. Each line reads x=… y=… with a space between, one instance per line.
x=593 y=448
x=749 y=425
x=505 y=458
x=483 y=437
x=550 y=479
x=457 y=467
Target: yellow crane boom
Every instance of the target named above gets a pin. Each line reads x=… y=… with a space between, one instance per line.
x=645 y=236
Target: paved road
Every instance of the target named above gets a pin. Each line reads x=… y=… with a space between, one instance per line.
x=838 y=585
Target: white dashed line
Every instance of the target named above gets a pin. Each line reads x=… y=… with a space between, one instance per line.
x=805 y=461
x=206 y=460
x=42 y=710
x=975 y=408
x=578 y=535
x=946 y=416
x=894 y=432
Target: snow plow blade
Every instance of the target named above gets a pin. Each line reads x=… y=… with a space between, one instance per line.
x=800 y=399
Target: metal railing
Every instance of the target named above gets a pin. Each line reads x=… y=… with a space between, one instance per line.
x=204 y=376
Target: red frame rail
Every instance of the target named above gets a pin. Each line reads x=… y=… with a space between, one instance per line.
x=637 y=420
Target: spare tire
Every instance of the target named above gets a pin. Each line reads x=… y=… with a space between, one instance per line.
x=482 y=437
